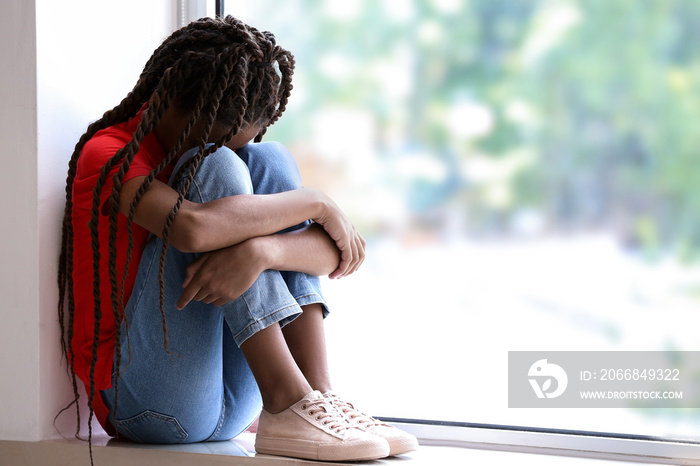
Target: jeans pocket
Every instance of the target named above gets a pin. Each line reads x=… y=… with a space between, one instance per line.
x=152 y=427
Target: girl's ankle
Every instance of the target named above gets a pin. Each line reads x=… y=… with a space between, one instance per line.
x=277 y=401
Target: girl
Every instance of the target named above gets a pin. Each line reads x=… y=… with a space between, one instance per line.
x=188 y=343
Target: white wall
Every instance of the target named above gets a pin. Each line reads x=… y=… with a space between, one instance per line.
x=19 y=282
x=64 y=64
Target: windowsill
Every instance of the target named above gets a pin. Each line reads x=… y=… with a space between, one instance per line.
x=456 y=446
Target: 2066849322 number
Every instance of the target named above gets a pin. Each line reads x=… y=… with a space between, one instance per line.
x=639 y=374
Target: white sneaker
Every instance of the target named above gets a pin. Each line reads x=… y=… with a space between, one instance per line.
x=399 y=441
x=313 y=428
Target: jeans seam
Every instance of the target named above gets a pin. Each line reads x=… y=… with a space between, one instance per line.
x=298 y=298
x=195 y=187
x=318 y=298
x=143 y=288
x=222 y=417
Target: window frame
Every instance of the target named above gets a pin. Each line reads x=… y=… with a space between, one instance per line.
x=556 y=442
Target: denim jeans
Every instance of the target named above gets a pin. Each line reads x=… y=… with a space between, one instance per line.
x=202 y=388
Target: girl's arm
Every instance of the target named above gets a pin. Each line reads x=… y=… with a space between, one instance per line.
x=230 y=220
x=308 y=250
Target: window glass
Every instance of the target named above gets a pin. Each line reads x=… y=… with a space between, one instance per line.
x=527 y=177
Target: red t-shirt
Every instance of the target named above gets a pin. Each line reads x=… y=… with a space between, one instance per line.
x=96 y=152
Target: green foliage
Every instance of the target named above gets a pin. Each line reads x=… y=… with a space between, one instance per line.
x=602 y=94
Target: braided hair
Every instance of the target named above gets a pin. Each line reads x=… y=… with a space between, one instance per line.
x=213 y=71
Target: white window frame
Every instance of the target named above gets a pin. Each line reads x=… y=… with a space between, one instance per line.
x=578 y=444
x=190 y=10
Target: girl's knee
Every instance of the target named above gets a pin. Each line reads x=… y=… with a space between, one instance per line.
x=268 y=150
x=220 y=174
x=272 y=167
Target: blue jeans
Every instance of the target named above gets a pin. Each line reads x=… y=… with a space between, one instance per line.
x=203 y=389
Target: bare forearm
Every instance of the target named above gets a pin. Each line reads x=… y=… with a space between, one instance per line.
x=308 y=250
x=231 y=220
x=228 y=221
x=221 y=222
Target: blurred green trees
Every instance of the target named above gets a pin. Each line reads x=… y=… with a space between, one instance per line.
x=580 y=114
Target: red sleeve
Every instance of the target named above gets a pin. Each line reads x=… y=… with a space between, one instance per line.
x=95 y=155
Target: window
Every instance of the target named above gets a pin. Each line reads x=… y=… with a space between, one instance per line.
x=526 y=175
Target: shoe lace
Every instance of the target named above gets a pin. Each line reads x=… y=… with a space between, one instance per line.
x=353 y=414
x=327 y=414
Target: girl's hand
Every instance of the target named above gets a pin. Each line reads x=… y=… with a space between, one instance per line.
x=349 y=241
x=220 y=276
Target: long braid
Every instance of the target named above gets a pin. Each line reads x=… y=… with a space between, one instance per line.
x=151 y=117
x=208 y=123
x=213 y=71
x=206 y=84
x=147 y=182
x=160 y=101
x=129 y=228
x=119 y=304
x=208 y=120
